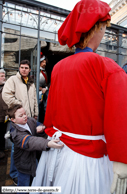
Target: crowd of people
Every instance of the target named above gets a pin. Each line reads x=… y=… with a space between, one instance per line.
x=82 y=116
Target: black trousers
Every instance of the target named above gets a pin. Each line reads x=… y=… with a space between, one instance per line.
x=3 y=127
x=41 y=112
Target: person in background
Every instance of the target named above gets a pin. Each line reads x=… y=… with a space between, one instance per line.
x=86 y=110
x=3 y=111
x=20 y=89
x=125 y=67
x=24 y=131
x=43 y=74
x=43 y=87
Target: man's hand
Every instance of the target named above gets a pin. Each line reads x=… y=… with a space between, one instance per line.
x=40 y=128
x=54 y=144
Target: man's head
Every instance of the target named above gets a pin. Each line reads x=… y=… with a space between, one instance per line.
x=24 y=68
x=17 y=114
x=43 y=62
x=2 y=76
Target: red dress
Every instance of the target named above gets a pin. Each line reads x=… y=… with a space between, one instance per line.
x=88 y=96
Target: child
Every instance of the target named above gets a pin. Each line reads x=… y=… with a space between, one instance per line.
x=23 y=133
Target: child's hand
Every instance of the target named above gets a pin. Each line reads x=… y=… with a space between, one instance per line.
x=54 y=144
x=40 y=128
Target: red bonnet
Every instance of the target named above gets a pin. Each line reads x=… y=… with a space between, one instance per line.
x=81 y=19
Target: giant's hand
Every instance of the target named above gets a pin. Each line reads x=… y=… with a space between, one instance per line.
x=120 y=178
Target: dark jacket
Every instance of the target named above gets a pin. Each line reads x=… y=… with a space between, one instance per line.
x=25 y=146
x=3 y=107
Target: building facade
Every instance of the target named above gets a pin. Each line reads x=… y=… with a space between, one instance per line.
x=119 y=12
x=30 y=27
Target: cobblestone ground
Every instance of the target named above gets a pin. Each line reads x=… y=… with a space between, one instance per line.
x=5 y=179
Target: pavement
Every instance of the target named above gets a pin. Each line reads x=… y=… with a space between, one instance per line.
x=5 y=179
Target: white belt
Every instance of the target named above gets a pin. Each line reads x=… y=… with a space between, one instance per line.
x=58 y=134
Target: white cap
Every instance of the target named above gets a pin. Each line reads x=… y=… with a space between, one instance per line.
x=2 y=71
x=41 y=59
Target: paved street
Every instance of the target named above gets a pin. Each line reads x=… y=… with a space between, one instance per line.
x=5 y=179
x=4 y=169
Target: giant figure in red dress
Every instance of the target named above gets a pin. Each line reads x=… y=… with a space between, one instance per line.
x=86 y=110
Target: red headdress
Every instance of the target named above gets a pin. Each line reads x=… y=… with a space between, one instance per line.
x=81 y=19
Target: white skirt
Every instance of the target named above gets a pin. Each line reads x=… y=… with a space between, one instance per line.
x=73 y=172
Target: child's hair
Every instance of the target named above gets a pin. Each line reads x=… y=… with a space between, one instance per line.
x=13 y=109
x=85 y=37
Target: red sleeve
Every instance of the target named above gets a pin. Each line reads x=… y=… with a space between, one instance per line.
x=115 y=116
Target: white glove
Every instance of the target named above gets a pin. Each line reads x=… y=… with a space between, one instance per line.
x=7 y=135
x=120 y=178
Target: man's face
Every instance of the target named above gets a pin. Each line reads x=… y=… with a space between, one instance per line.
x=24 y=70
x=20 y=117
x=2 y=78
x=43 y=64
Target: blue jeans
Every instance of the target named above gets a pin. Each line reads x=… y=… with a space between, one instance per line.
x=13 y=170
x=23 y=180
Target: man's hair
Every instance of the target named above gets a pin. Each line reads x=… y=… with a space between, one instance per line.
x=2 y=71
x=11 y=111
x=25 y=62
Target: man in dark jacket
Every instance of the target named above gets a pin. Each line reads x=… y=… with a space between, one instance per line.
x=3 y=109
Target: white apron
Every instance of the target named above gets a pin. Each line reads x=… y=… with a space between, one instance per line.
x=75 y=173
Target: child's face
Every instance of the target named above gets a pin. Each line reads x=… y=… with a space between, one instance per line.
x=20 y=117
